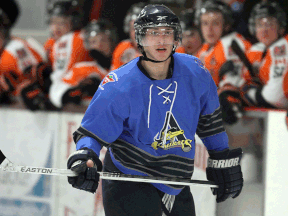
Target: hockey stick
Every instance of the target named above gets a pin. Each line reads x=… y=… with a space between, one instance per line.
x=239 y=52
x=8 y=166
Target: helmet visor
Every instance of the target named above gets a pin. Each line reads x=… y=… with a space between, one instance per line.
x=156 y=36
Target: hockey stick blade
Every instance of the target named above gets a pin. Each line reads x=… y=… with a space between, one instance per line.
x=8 y=166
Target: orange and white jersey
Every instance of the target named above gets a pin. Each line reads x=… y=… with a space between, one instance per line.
x=180 y=49
x=74 y=77
x=272 y=67
x=15 y=63
x=214 y=57
x=67 y=50
x=123 y=53
x=48 y=46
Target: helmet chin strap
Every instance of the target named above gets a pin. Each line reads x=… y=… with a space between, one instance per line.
x=145 y=58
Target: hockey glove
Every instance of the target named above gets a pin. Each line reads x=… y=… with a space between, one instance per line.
x=231 y=104
x=225 y=170
x=88 y=178
x=251 y=94
x=89 y=86
x=34 y=98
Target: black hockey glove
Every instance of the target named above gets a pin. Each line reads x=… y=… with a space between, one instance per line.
x=88 y=178
x=34 y=98
x=231 y=104
x=225 y=170
x=89 y=86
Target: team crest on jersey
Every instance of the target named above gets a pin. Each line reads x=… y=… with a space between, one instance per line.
x=175 y=136
x=111 y=77
x=280 y=50
x=201 y=65
x=62 y=45
x=21 y=53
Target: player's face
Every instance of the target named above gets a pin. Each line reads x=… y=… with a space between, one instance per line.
x=158 y=43
x=267 y=30
x=191 y=41
x=59 y=25
x=100 y=42
x=212 y=26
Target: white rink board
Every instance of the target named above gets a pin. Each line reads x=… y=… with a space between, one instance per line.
x=73 y=201
x=28 y=139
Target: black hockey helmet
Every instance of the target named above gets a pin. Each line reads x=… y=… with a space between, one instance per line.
x=132 y=14
x=187 y=18
x=156 y=16
x=9 y=12
x=98 y=26
x=267 y=9
x=217 y=6
x=67 y=8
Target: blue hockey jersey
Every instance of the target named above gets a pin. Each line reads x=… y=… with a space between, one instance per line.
x=150 y=125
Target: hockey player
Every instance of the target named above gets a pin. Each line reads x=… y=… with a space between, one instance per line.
x=134 y=112
x=192 y=39
x=81 y=82
x=215 y=20
x=67 y=51
x=63 y=17
x=269 y=57
x=21 y=67
x=127 y=50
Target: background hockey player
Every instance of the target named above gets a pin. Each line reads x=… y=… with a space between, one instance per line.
x=192 y=39
x=61 y=19
x=215 y=20
x=67 y=51
x=132 y=113
x=81 y=82
x=269 y=57
x=127 y=50
x=22 y=68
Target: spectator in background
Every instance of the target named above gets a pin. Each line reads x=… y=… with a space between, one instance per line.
x=191 y=36
x=82 y=80
x=127 y=49
x=269 y=57
x=22 y=67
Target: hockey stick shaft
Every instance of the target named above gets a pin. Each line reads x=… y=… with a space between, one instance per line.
x=8 y=166
x=239 y=52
